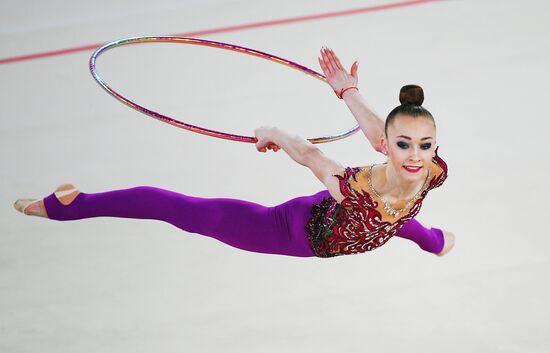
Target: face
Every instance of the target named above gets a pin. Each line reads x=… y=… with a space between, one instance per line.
x=410 y=144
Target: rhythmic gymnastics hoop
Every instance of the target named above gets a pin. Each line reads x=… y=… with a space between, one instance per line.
x=208 y=43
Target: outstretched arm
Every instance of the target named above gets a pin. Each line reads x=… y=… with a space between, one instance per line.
x=432 y=239
x=303 y=152
x=338 y=79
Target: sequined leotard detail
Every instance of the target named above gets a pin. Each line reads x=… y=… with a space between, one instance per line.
x=358 y=224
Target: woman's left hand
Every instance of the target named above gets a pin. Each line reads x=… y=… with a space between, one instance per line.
x=337 y=77
x=264 y=137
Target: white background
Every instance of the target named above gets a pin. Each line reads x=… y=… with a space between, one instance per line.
x=122 y=285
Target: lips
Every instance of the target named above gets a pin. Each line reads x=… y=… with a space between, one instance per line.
x=412 y=169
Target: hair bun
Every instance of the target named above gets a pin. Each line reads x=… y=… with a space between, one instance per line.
x=411 y=94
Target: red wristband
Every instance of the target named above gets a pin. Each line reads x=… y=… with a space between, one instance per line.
x=341 y=93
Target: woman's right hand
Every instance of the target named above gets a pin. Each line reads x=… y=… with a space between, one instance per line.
x=337 y=77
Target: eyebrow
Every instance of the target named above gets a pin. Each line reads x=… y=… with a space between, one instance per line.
x=408 y=138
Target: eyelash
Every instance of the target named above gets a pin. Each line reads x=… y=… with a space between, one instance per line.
x=404 y=145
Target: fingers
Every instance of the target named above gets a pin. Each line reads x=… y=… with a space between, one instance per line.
x=264 y=149
x=324 y=67
x=325 y=63
x=330 y=60
x=260 y=145
x=335 y=59
x=325 y=52
x=260 y=149
x=354 y=68
x=271 y=146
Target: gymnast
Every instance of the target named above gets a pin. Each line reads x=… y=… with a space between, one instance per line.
x=359 y=210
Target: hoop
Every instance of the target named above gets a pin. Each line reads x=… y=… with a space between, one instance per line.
x=203 y=42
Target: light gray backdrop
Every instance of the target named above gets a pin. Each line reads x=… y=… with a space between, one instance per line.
x=122 y=285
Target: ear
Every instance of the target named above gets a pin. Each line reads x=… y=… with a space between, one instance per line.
x=383 y=145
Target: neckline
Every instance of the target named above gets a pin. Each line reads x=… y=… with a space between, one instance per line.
x=409 y=202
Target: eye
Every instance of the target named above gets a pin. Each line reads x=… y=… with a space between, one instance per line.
x=426 y=146
x=403 y=145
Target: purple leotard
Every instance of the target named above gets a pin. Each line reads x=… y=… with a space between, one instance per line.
x=245 y=225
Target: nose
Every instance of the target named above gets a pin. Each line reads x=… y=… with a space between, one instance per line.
x=415 y=154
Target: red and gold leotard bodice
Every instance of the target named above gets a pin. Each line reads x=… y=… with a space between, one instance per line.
x=359 y=223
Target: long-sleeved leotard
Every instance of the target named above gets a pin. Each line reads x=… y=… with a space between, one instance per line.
x=314 y=225
x=245 y=225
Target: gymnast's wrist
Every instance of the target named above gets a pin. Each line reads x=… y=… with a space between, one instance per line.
x=345 y=91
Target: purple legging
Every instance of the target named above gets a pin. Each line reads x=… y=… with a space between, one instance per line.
x=241 y=224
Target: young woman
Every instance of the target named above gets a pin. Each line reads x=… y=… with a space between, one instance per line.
x=360 y=210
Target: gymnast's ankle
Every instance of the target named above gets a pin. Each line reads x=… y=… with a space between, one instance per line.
x=66 y=193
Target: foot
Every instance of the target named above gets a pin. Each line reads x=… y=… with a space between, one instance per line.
x=65 y=193
x=449 y=239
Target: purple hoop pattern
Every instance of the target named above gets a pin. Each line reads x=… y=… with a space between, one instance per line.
x=209 y=43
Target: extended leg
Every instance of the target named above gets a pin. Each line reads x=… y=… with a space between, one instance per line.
x=242 y=224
